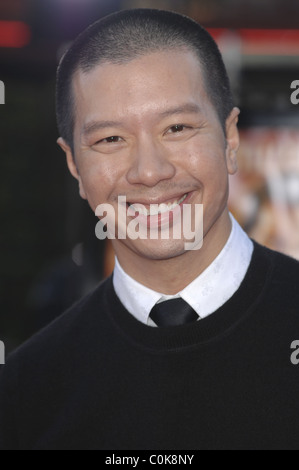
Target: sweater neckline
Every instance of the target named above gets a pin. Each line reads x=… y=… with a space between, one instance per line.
x=175 y=339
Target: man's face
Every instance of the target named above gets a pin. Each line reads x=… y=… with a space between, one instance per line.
x=147 y=130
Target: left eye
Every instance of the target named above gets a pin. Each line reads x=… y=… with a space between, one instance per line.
x=177 y=128
x=112 y=140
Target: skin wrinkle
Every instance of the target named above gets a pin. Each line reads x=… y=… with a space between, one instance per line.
x=149 y=160
x=93 y=126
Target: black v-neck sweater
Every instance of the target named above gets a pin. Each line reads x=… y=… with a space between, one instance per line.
x=98 y=379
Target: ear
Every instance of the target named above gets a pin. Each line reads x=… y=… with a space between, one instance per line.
x=72 y=165
x=232 y=141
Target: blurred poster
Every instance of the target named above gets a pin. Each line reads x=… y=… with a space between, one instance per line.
x=265 y=193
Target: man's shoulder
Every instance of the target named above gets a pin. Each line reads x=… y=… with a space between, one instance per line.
x=282 y=283
x=71 y=331
x=42 y=376
x=284 y=266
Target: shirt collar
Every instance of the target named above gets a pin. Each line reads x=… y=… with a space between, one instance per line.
x=206 y=294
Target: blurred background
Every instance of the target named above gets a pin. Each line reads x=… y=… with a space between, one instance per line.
x=50 y=256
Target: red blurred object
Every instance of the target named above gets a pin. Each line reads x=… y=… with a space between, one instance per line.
x=264 y=41
x=14 y=34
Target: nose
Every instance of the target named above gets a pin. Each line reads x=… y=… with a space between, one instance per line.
x=150 y=164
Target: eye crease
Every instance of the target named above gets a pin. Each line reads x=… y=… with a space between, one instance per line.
x=178 y=128
x=114 y=139
x=111 y=140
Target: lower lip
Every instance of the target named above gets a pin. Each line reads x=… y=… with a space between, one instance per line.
x=162 y=220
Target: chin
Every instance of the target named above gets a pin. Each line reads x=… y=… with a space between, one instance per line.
x=159 y=249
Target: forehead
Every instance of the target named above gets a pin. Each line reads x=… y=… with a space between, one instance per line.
x=140 y=87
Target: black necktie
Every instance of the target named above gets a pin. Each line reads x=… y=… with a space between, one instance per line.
x=173 y=312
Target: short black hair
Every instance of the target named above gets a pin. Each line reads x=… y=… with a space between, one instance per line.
x=128 y=34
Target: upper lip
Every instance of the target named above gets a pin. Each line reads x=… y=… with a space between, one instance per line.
x=158 y=201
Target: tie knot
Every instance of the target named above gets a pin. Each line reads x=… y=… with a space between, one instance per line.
x=174 y=312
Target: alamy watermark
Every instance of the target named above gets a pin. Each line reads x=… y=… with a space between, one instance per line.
x=295 y=94
x=2 y=353
x=2 y=92
x=295 y=354
x=173 y=221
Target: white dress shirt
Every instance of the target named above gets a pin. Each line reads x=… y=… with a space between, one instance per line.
x=206 y=294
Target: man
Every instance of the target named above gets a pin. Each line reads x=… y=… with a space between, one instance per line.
x=180 y=348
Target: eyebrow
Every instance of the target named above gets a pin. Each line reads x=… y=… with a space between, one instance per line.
x=94 y=126
x=188 y=108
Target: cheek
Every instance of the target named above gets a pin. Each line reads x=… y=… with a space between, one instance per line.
x=208 y=165
x=209 y=168
x=99 y=177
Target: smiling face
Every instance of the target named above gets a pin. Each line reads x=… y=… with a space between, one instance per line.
x=147 y=130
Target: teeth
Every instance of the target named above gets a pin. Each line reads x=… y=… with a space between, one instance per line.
x=163 y=208
x=183 y=199
x=156 y=209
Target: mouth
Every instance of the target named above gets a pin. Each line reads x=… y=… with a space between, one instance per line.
x=146 y=209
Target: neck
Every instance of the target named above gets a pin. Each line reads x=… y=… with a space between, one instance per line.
x=172 y=275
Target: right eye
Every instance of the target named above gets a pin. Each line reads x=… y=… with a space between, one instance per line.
x=111 y=144
x=110 y=140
